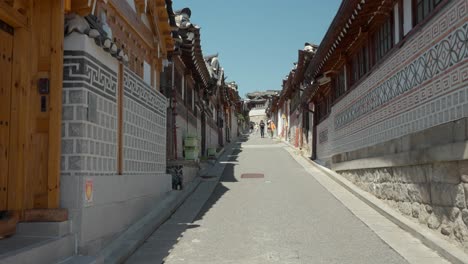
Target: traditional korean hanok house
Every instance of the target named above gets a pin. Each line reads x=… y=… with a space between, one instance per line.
x=257 y=103
x=31 y=58
x=232 y=108
x=390 y=83
x=185 y=81
x=113 y=160
x=293 y=91
x=216 y=98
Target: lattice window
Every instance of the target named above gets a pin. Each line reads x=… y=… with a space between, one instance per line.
x=339 y=83
x=423 y=8
x=383 y=39
x=359 y=64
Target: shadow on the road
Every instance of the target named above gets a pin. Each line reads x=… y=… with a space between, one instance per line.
x=170 y=240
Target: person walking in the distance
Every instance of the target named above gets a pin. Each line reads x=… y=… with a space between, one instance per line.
x=272 y=128
x=262 y=128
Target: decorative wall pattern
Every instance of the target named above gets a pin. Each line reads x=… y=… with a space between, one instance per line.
x=423 y=84
x=89 y=126
x=323 y=136
x=144 y=127
x=450 y=51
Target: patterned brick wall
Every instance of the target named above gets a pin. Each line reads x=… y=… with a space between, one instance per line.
x=423 y=84
x=89 y=127
x=144 y=127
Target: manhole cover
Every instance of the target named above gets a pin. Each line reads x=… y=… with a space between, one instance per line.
x=207 y=177
x=252 y=175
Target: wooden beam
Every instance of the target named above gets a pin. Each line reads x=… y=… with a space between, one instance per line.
x=55 y=108
x=44 y=215
x=12 y=17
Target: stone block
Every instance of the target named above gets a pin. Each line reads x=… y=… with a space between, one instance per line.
x=401 y=192
x=77 y=130
x=415 y=210
x=81 y=113
x=78 y=97
x=383 y=175
x=444 y=194
x=67 y=146
x=423 y=215
x=433 y=222
x=411 y=174
x=440 y=135
x=82 y=146
x=446 y=230
x=67 y=112
x=92 y=108
x=76 y=163
x=405 y=208
x=419 y=193
x=63 y=164
x=464 y=214
x=459 y=130
x=387 y=191
x=463 y=170
x=64 y=130
x=453 y=213
x=446 y=172
x=460 y=231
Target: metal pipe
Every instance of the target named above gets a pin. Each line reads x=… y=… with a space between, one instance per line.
x=174 y=112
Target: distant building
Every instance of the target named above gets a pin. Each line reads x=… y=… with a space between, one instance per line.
x=258 y=102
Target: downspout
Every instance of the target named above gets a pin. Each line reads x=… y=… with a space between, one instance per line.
x=174 y=112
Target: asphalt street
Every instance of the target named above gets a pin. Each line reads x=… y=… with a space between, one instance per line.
x=284 y=217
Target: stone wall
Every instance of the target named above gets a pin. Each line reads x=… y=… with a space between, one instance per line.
x=90 y=141
x=424 y=175
x=433 y=194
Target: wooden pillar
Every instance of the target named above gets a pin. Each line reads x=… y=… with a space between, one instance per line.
x=55 y=108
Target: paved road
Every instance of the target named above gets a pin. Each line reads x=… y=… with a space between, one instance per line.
x=285 y=217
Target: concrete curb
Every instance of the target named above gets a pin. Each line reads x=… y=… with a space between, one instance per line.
x=129 y=241
x=451 y=252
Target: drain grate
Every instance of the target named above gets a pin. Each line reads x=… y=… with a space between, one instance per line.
x=207 y=177
x=252 y=176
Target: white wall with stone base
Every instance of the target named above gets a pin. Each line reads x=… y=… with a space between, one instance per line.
x=90 y=143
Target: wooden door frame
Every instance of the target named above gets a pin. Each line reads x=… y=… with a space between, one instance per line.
x=8 y=33
x=24 y=82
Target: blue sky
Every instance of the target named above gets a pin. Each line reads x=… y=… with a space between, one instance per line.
x=258 y=40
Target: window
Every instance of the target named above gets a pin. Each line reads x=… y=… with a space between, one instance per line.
x=359 y=64
x=423 y=8
x=339 y=84
x=324 y=107
x=383 y=40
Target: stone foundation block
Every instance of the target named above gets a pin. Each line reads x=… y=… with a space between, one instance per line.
x=411 y=174
x=446 y=172
x=419 y=193
x=451 y=195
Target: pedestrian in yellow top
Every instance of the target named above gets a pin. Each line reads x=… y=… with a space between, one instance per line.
x=272 y=128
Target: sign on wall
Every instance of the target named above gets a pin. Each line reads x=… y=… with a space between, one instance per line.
x=88 y=192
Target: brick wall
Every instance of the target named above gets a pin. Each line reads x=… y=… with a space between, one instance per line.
x=90 y=145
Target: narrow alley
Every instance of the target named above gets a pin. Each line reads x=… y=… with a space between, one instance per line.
x=287 y=216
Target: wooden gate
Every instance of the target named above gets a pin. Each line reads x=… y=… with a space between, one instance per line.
x=6 y=51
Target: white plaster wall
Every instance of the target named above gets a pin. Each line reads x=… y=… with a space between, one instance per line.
x=412 y=106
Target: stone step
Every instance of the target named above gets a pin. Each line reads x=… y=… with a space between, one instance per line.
x=43 y=229
x=80 y=260
x=37 y=250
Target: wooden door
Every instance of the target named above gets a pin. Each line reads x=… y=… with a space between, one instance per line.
x=6 y=52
